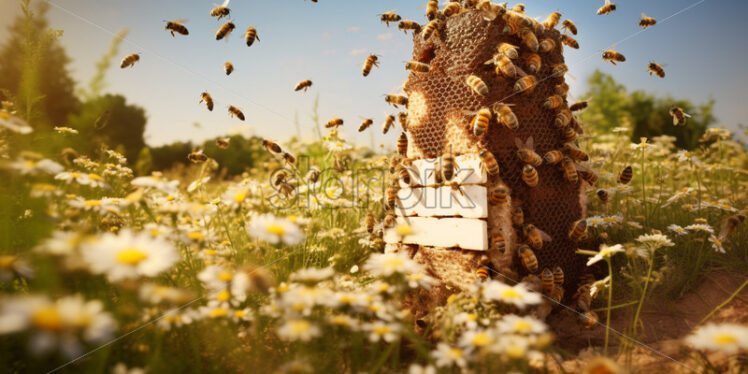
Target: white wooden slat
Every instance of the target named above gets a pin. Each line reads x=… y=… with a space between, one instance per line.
x=465 y=233
x=468 y=170
x=443 y=202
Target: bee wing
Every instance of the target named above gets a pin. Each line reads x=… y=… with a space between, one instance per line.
x=607 y=2
x=686 y=115
x=675 y=119
x=182 y=20
x=225 y=3
x=544 y=235
x=529 y=143
x=519 y=143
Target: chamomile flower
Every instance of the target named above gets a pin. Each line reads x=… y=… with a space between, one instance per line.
x=295 y=329
x=700 y=227
x=337 y=146
x=677 y=229
x=274 y=230
x=121 y=368
x=642 y=145
x=381 y=330
x=513 y=324
x=605 y=252
x=477 y=339
x=447 y=356
x=727 y=338
x=387 y=264
x=13 y=123
x=90 y=179
x=156 y=181
x=312 y=274
x=518 y=295
x=30 y=167
x=655 y=241
x=418 y=369
x=716 y=244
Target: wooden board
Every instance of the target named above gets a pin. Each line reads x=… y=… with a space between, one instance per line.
x=468 y=170
x=443 y=202
x=466 y=233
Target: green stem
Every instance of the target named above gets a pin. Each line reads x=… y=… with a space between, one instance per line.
x=610 y=300
x=619 y=306
x=644 y=192
x=644 y=292
x=724 y=303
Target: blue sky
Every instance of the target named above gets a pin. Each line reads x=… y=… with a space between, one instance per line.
x=326 y=42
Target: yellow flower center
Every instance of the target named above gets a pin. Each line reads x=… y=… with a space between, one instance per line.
x=225 y=276
x=7 y=261
x=299 y=326
x=47 y=318
x=131 y=256
x=29 y=164
x=75 y=175
x=155 y=232
x=224 y=295
x=210 y=252
x=393 y=262
x=95 y=177
x=92 y=203
x=283 y=288
x=218 y=312
x=381 y=330
x=292 y=218
x=510 y=294
x=515 y=351
x=275 y=229
x=239 y=314
x=451 y=298
x=455 y=353
x=725 y=339
x=196 y=235
x=170 y=198
x=340 y=321
x=241 y=196
x=404 y=230
x=481 y=340
x=522 y=326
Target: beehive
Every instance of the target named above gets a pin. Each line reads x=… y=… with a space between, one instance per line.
x=439 y=118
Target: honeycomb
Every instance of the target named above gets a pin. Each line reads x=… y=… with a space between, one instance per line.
x=440 y=109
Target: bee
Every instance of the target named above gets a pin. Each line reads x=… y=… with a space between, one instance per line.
x=432 y=8
x=177 y=27
x=562 y=119
x=129 y=60
x=530 y=175
x=271 y=146
x=365 y=125
x=586 y=278
x=417 y=67
x=402 y=117
x=409 y=25
x=532 y=62
x=303 y=85
x=603 y=195
x=388 y=17
x=553 y=102
x=553 y=157
x=569 y=41
x=504 y=66
x=370 y=62
x=613 y=56
x=480 y=122
x=396 y=100
x=552 y=20
x=483 y=269
x=234 y=111
x=279 y=178
x=389 y=220
x=679 y=116
x=607 y=8
x=391 y=197
x=451 y=9
x=223 y=143
x=369 y=222
x=448 y=165
x=647 y=21
x=286 y=189
x=558 y=275
x=578 y=230
x=569 y=26
x=528 y=37
x=402 y=144
x=477 y=85
x=587 y=174
x=291 y=159
x=526 y=152
x=519 y=8
x=569 y=134
x=525 y=84
x=197 y=157
x=570 y=171
x=225 y=30
x=333 y=123
x=546 y=276
x=404 y=174
x=557 y=294
x=584 y=297
x=394 y=161
x=498 y=195
x=576 y=153
x=505 y=116
x=221 y=11
x=518 y=216
x=496 y=241
x=527 y=256
x=429 y=29
x=559 y=70
x=313 y=174
x=655 y=68
x=388 y=123
x=578 y=106
x=470 y=4
x=228 y=68
x=250 y=35
x=561 y=89
x=508 y=50
x=535 y=236
x=546 y=45
x=489 y=162
x=208 y=100
x=589 y=319
x=730 y=225
x=626 y=174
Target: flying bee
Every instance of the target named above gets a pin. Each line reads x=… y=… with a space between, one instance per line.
x=655 y=68
x=432 y=8
x=369 y=63
x=730 y=225
x=483 y=271
x=527 y=256
x=558 y=70
x=497 y=242
x=477 y=85
x=528 y=37
x=603 y=195
x=508 y=50
x=388 y=123
x=228 y=68
x=279 y=178
x=578 y=106
x=389 y=220
x=647 y=21
x=271 y=146
x=505 y=115
x=417 y=67
x=569 y=41
x=225 y=30
x=576 y=153
x=569 y=26
x=451 y=9
x=525 y=84
x=679 y=116
x=626 y=174
x=578 y=230
x=613 y=56
x=498 y=195
x=570 y=171
x=552 y=20
x=587 y=174
x=250 y=35
x=369 y=222
x=197 y=157
x=402 y=118
x=409 y=25
x=553 y=102
x=365 y=125
x=402 y=144
x=569 y=134
x=546 y=276
x=129 y=60
x=489 y=163
x=177 y=27
x=530 y=175
x=480 y=122
x=391 y=197
x=223 y=143
x=589 y=319
x=518 y=216
x=546 y=45
x=558 y=275
x=429 y=29
x=313 y=174
x=388 y=17
x=533 y=62
x=562 y=119
x=303 y=85
x=396 y=100
x=221 y=11
x=289 y=158
x=607 y=8
x=535 y=236
x=208 y=100
x=448 y=165
x=234 y=111
x=334 y=123
x=526 y=152
x=553 y=157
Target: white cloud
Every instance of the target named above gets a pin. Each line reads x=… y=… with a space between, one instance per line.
x=328 y=52
x=354 y=29
x=386 y=36
x=357 y=51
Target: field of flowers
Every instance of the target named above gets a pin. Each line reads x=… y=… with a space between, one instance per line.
x=193 y=272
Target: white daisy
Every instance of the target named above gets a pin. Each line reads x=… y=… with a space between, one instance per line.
x=446 y=356
x=298 y=330
x=312 y=274
x=727 y=337
x=156 y=181
x=513 y=324
x=605 y=252
x=655 y=241
x=518 y=294
x=381 y=330
x=418 y=369
x=700 y=227
x=387 y=264
x=14 y=123
x=274 y=230
x=677 y=229
x=716 y=244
